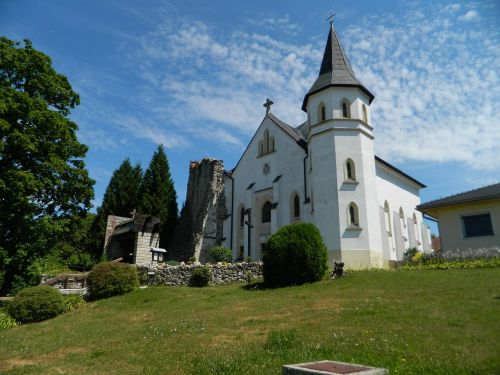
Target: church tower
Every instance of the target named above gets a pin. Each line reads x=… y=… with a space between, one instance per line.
x=341 y=171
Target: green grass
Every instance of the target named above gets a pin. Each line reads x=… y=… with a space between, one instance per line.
x=411 y=322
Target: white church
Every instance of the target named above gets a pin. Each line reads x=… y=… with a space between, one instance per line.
x=325 y=172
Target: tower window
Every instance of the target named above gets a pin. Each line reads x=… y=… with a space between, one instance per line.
x=353 y=215
x=365 y=114
x=350 y=170
x=345 y=107
x=322 y=113
x=266 y=212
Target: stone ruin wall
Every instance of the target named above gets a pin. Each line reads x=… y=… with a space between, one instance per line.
x=200 y=226
x=222 y=273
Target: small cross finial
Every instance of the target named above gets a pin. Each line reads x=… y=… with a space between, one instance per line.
x=268 y=105
x=330 y=18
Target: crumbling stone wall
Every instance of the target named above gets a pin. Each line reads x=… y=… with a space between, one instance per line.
x=200 y=225
x=180 y=275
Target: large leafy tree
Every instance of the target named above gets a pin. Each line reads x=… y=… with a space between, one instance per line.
x=120 y=198
x=158 y=196
x=43 y=179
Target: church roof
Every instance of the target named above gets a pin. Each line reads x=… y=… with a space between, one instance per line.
x=335 y=71
x=291 y=131
x=483 y=193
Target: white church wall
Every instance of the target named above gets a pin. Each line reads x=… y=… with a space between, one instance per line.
x=399 y=193
x=287 y=161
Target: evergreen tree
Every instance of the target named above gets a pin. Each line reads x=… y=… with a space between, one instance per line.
x=121 y=198
x=158 y=196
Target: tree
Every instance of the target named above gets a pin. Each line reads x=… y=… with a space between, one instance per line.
x=120 y=198
x=43 y=179
x=158 y=196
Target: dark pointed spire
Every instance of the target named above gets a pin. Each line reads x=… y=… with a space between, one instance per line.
x=335 y=70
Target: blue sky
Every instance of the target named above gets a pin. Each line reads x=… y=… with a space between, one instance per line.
x=193 y=75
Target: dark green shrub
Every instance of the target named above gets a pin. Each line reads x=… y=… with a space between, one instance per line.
x=36 y=304
x=295 y=254
x=111 y=279
x=248 y=259
x=192 y=259
x=409 y=254
x=200 y=277
x=73 y=301
x=221 y=254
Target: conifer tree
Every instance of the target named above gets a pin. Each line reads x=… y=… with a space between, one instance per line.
x=158 y=196
x=121 y=198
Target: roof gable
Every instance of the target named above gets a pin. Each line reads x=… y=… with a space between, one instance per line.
x=291 y=132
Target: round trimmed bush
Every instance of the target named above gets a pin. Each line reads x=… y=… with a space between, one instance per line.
x=36 y=304
x=221 y=254
x=295 y=254
x=111 y=279
x=200 y=277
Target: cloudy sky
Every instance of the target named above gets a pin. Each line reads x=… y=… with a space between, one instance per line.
x=193 y=75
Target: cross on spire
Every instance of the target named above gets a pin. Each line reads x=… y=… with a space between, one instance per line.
x=268 y=105
x=330 y=18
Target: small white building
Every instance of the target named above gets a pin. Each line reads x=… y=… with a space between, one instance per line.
x=325 y=172
x=469 y=222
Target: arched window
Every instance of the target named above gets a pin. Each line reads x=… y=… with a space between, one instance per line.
x=365 y=114
x=242 y=217
x=350 y=170
x=261 y=148
x=402 y=217
x=345 y=106
x=296 y=207
x=353 y=215
x=266 y=141
x=271 y=144
x=387 y=216
x=266 y=212
x=322 y=112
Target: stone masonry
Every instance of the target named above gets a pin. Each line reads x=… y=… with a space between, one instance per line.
x=200 y=225
x=222 y=273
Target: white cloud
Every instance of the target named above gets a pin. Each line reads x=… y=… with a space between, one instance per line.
x=280 y=23
x=471 y=15
x=435 y=80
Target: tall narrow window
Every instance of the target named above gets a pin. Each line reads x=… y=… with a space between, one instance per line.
x=387 y=215
x=365 y=114
x=261 y=148
x=402 y=217
x=271 y=147
x=296 y=207
x=266 y=212
x=242 y=216
x=353 y=215
x=345 y=107
x=322 y=113
x=350 y=170
x=266 y=141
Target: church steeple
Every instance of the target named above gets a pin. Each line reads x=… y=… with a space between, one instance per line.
x=335 y=70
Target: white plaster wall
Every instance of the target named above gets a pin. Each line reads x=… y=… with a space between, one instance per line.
x=286 y=161
x=399 y=192
x=332 y=98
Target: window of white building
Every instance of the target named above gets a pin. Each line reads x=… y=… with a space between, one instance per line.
x=477 y=225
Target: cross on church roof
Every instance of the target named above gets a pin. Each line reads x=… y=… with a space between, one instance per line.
x=330 y=18
x=268 y=105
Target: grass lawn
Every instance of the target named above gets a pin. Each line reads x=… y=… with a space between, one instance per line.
x=411 y=322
